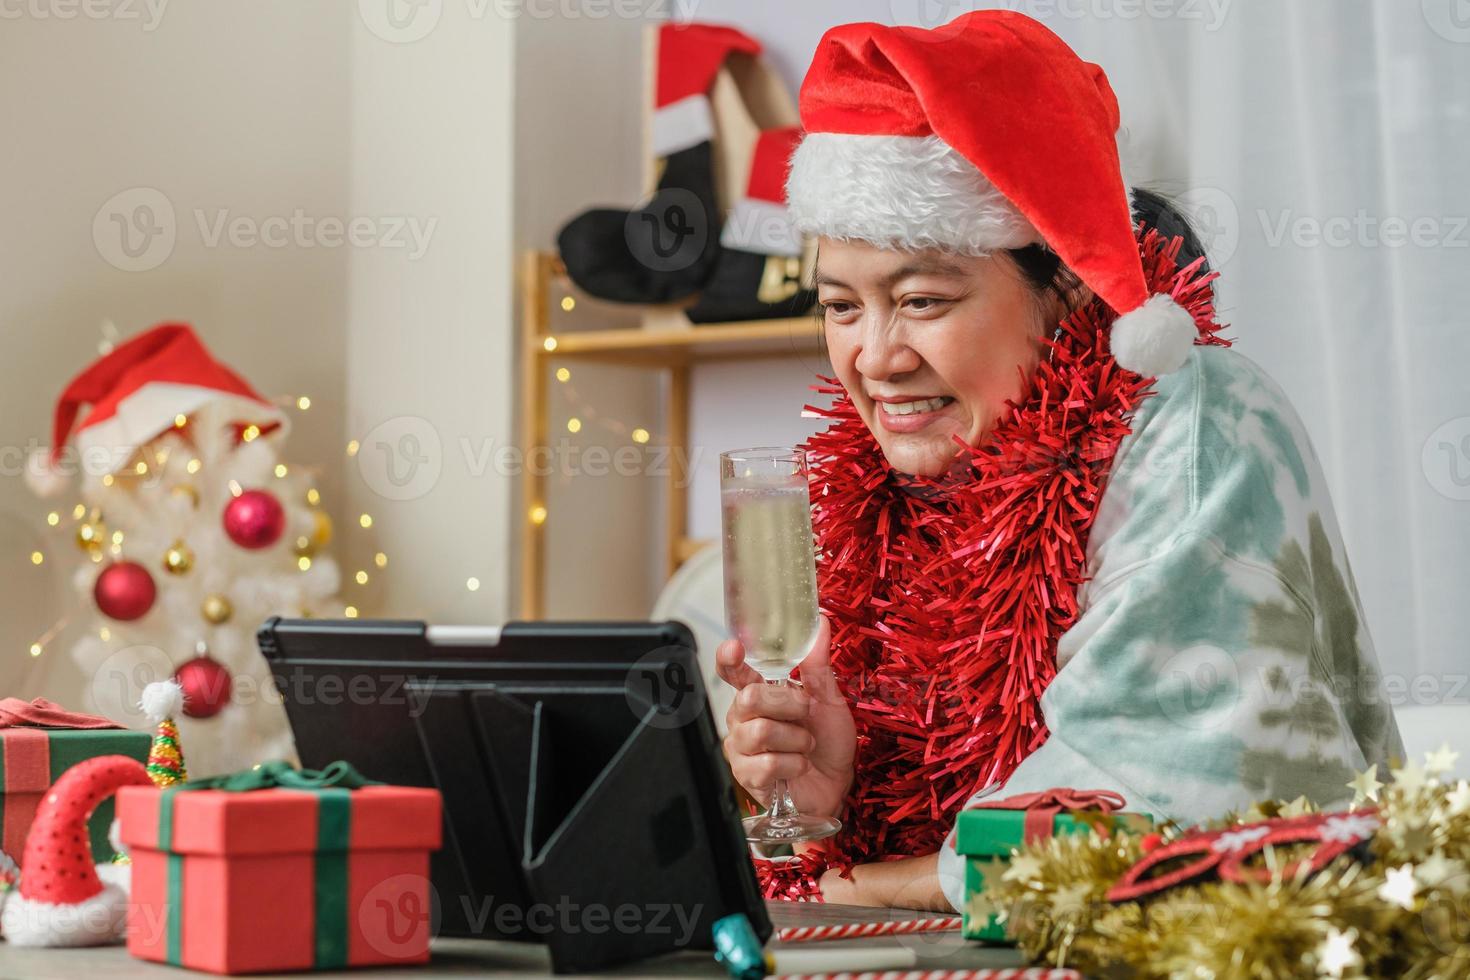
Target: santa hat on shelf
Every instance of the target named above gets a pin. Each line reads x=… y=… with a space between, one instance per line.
x=986 y=133
x=136 y=393
x=162 y=701
x=64 y=899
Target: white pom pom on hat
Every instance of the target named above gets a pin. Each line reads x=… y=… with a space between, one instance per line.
x=1155 y=338
x=162 y=699
x=985 y=133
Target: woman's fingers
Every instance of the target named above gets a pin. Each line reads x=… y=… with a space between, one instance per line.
x=761 y=735
x=778 y=702
x=757 y=772
x=731 y=666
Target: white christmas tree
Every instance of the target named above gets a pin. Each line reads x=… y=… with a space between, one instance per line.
x=193 y=531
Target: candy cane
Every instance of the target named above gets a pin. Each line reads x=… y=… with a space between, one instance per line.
x=1026 y=973
x=855 y=930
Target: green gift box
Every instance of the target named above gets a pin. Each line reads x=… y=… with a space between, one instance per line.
x=986 y=834
x=32 y=758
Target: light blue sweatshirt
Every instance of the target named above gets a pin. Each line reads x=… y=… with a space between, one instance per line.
x=1220 y=656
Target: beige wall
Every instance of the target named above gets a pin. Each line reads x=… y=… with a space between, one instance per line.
x=578 y=135
x=429 y=354
x=242 y=107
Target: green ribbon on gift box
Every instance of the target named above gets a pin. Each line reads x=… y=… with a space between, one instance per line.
x=334 y=785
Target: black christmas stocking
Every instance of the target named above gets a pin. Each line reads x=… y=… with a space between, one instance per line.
x=757 y=274
x=666 y=249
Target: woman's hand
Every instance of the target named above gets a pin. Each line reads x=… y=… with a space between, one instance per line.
x=801 y=734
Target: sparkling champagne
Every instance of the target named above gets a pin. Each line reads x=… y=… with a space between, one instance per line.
x=770 y=572
x=771 y=596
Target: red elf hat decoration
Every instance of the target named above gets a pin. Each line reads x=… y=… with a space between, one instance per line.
x=63 y=901
x=986 y=133
x=136 y=393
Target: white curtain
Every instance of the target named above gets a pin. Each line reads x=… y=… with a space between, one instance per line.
x=1323 y=148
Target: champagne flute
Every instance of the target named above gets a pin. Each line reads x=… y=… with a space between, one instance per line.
x=771 y=594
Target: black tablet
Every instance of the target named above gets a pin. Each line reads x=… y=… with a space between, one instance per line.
x=587 y=803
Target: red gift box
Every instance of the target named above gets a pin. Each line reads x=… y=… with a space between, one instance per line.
x=279 y=879
x=39 y=741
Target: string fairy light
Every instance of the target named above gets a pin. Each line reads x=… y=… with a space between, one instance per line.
x=38 y=645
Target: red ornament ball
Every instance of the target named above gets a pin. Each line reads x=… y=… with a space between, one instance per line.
x=124 y=591
x=207 y=686
x=255 y=519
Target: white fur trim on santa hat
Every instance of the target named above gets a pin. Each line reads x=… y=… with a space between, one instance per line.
x=1155 y=338
x=905 y=192
x=152 y=409
x=99 y=921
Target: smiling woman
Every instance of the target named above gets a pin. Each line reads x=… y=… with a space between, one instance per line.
x=1066 y=538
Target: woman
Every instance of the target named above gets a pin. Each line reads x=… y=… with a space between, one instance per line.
x=1067 y=537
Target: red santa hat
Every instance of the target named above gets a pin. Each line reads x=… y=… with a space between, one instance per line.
x=136 y=393
x=986 y=133
x=64 y=899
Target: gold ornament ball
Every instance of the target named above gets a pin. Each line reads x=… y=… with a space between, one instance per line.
x=217 y=608
x=178 y=559
x=187 y=490
x=321 y=531
x=91 y=533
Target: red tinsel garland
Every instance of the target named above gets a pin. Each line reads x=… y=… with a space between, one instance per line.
x=947 y=596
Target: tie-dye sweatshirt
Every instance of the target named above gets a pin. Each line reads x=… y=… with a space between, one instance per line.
x=1221 y=654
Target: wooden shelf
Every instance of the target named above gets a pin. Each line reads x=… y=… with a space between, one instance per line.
x=672 y=349
x=712 y=341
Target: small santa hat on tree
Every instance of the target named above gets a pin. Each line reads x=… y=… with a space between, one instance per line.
x=162 y=702
x=137 y=392
x=64 y=899
x=986 y=133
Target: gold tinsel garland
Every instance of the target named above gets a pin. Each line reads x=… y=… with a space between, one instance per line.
x=1404 y=913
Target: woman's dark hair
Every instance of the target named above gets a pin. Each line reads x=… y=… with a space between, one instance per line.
x=1043 y=269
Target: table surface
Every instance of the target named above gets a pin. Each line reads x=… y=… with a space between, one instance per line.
x=476 y=958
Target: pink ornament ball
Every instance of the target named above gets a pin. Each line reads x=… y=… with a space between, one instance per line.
x=255 y=519
x=124 y=591
x=207 y=686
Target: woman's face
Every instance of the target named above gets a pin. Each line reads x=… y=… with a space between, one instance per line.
x=929 y=344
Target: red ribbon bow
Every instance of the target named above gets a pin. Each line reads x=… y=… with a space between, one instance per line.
x=1042 y=807
x=40 y=713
